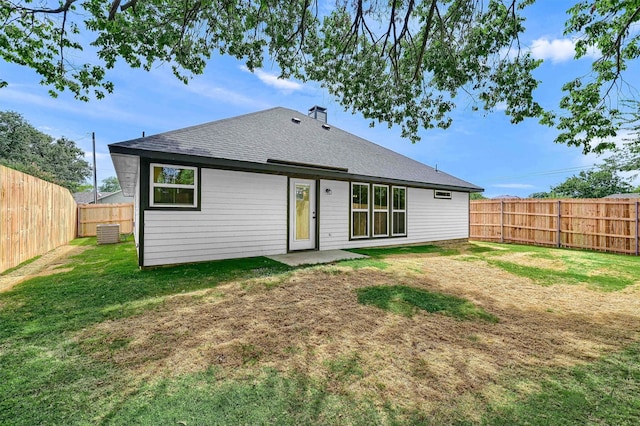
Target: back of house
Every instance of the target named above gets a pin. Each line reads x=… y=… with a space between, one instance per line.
x=279 y=181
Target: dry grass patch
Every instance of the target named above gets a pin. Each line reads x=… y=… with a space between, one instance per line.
x=311 y=322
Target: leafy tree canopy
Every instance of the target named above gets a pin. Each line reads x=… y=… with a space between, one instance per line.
x=401 y=62
x=110 y=184
x=627 y=156
x=589 y=184
x=477 y=196
x=25 y=148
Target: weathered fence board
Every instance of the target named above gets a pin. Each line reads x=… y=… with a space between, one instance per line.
x=593 y=224
x=35 y=217
x=92 y=215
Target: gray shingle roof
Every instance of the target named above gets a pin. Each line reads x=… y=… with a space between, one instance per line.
x=624 y=195
x=273 y=135
x=87 y=197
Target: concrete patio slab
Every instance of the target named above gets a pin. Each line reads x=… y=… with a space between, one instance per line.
x=315 y=257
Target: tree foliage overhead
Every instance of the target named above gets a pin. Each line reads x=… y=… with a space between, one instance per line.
x=25 y=148
x=402 y=62
x=595 y=107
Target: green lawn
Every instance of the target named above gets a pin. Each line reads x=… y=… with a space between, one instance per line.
x=47 y=377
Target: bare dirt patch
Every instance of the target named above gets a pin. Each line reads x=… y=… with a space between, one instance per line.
x=312 y=319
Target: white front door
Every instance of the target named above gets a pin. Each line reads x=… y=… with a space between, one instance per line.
x=302 y=214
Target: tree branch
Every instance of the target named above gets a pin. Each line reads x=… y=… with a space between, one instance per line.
x=425 y=38
x=64 y=8
x=113 y=10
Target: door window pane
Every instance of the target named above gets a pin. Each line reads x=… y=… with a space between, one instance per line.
x=302 y=212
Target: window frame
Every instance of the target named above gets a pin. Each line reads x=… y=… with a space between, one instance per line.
x=153 y=185
x=360 y=210
x=444 y=195
x=394 y=210
x=375 y=210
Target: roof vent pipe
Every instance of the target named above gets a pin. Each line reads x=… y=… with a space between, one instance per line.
x=319 y=113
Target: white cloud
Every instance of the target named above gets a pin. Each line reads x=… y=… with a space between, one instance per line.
x=501 y=106
x=557 y=50
x=224 y=95
x=96 y=109
x=275 y=81
x=514 y=185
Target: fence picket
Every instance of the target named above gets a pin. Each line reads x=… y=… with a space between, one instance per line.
x=91 y=215
x=35 y=217
x=593 y=224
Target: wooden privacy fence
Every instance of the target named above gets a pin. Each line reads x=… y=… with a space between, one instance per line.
x=35 y=217
x=594 y=224
x=92 y=215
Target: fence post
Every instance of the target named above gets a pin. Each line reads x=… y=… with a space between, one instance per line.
x=78 y=221
x=559 y=226
x=637 y=247
x=502 y=221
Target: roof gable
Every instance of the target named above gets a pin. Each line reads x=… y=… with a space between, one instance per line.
x=280 y=136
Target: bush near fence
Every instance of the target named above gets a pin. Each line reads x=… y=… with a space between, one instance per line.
x=593 y=224
x=35 y=216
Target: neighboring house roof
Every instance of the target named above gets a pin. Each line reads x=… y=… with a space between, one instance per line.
x=626 y=195
x=87 y=197
x=281 y=139
x=115 y=198
x=506 y=197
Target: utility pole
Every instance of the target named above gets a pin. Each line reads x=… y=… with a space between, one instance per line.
x=95 y=172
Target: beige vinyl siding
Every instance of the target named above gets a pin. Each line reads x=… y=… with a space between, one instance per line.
x=428 y=218
x=242 y=215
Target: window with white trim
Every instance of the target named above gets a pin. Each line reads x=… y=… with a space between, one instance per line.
x=399 y=211
x=173 y=186
x=359 y=210
x=442 y=194
x=380 y=211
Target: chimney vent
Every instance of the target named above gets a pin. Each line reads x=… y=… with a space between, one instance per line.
x=319 y=113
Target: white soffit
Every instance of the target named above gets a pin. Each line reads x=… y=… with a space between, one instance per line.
x=127 y=170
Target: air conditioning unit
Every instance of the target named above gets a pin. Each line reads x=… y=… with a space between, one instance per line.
x=108 y=234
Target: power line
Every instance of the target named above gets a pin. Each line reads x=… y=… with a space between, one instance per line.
x=544 y=173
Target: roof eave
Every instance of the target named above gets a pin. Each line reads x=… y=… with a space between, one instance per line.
x=277 y=168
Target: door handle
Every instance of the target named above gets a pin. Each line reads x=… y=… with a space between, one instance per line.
x=313 y=216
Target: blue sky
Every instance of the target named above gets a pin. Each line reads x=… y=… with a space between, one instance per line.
x=484 y=149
